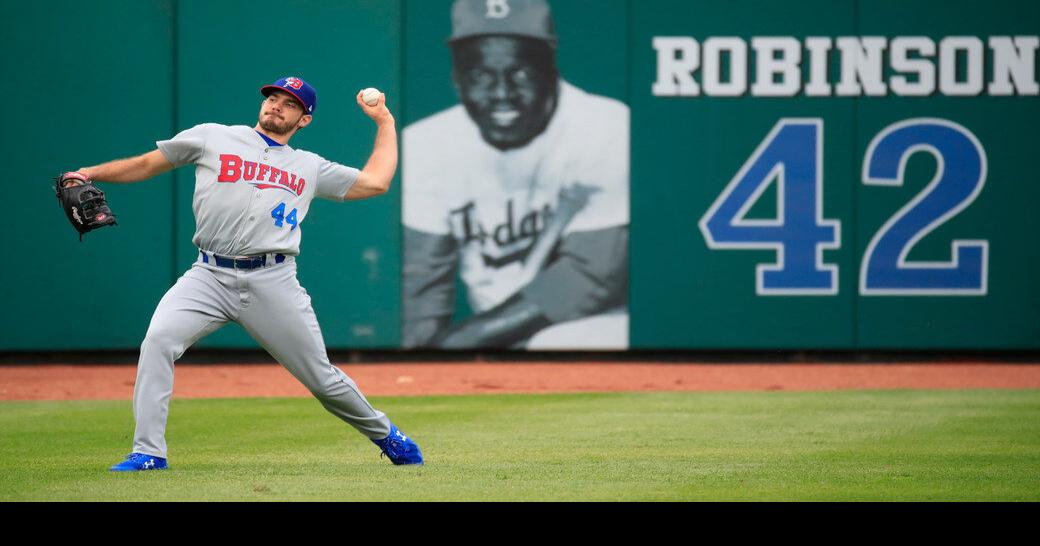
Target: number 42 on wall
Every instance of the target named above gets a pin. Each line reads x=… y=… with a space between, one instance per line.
x=792 y=155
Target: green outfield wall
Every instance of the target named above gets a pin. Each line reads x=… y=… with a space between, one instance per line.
x=819 y=175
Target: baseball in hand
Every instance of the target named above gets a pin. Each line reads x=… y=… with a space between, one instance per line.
x=370 y=96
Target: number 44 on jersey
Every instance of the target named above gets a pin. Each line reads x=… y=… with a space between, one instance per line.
x=791 y=155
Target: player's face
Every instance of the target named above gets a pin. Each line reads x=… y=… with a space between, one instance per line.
x=281 y=113
x=508 y=86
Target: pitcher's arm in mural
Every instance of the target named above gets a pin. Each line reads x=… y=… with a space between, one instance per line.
x=578 y=275
x=589 y=275
x=428 y=285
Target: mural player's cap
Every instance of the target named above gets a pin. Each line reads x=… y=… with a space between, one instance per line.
x=530 y=18
x=297 y=88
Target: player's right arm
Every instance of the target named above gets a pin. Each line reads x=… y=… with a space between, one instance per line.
x=132 y=169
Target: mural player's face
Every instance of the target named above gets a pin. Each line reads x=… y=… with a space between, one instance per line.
x=508 y=86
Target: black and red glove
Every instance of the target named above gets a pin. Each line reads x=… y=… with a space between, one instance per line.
x=83 y=202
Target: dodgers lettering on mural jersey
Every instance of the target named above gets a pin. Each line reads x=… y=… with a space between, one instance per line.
x=250 y=197
x=503 y=243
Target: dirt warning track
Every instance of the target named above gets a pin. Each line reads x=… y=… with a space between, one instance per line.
x=115 y=382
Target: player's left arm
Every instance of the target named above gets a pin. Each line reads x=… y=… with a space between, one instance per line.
x=588 y=275
x=374 y=179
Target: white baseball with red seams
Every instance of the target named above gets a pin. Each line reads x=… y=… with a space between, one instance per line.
x=370 y=96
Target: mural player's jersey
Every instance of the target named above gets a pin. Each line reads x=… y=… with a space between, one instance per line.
x=251 y=197
x=495 y=203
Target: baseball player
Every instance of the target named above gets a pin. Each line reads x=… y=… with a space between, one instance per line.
x=252 y=193
x=521 y=190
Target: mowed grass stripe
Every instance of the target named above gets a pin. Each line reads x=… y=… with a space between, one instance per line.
x=845 y=445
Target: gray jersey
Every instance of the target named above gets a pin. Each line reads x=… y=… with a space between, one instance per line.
x=250 y=197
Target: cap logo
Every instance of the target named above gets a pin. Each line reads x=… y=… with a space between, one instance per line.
x=295 y=83
x=497 y=9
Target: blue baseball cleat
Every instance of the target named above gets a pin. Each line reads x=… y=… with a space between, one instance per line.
x=399 y=448
x=140 y=461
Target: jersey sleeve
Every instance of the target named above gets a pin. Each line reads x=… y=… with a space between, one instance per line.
x=334 y=180
x=602 y=161
x=426 y=191
x=589 y=275
x=186 y=147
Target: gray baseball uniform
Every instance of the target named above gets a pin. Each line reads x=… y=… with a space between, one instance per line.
x=250 y=198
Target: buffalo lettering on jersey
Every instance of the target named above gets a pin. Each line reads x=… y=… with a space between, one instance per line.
x=233 y=168
x=504 y=243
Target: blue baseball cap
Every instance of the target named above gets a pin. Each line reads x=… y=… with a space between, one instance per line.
x=297 y=88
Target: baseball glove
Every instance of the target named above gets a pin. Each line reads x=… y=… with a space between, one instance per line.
x=83 y=202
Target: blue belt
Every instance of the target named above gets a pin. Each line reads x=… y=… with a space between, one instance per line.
x=252 y=262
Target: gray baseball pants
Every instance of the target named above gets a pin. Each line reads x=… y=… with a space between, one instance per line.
x=275 y=310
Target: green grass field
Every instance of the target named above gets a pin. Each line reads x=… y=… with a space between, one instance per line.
x=852 y=445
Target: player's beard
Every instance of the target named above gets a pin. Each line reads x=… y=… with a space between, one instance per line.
x=274 y=125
